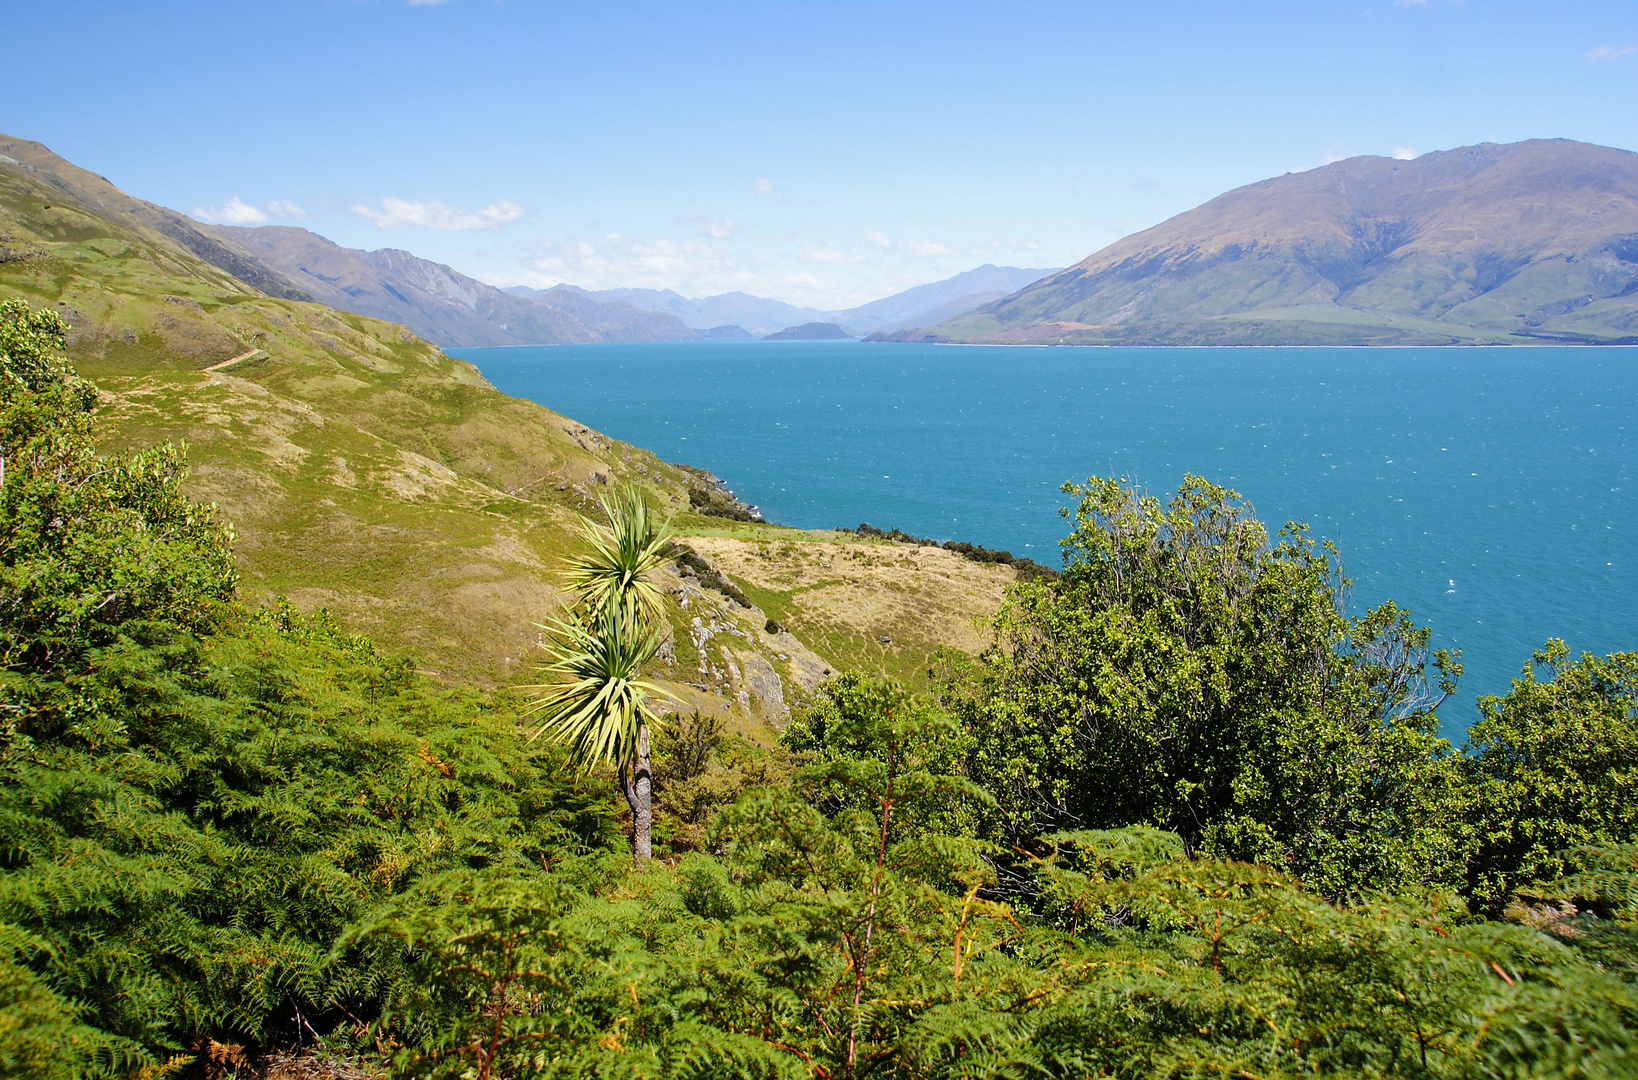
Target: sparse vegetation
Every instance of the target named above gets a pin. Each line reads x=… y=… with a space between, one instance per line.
x=1027 y=568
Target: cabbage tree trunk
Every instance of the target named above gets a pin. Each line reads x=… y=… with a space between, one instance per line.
x=639 y=791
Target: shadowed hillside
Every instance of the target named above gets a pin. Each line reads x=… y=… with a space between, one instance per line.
x=1531 y=241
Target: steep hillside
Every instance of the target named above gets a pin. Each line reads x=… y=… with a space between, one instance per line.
x=367 y=472
x=46 y=173
x=437 y=302
x=1493 y=243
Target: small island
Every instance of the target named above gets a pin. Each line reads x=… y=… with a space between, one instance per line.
x=813 y=331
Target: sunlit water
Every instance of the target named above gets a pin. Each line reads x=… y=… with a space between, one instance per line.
x=1489 y=490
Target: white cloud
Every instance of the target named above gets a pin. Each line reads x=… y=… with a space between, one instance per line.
x=617 y=261
x=1012 y=243
x=765 y=188
x=398 y=213
x=804 y=270
x=1605 y=53
x=715 y=228
x=828 y=255
x=927 y=248
x=233 y=212
x=284 y=208
x=803 y=282
x=1404 y=153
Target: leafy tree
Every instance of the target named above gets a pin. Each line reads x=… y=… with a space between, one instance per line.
x=598 y=702
x=857 y=718
x=94 y=551
x=1188 y=674
x=614 y=571
x=1554 y=766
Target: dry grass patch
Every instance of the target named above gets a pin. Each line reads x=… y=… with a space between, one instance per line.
x=843 y=597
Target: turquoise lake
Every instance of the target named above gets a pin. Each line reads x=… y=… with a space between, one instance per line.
x=1491 y=491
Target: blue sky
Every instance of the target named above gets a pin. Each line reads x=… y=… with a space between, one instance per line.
x=822 y=154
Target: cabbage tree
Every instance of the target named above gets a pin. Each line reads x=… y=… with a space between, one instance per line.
x=596 y=702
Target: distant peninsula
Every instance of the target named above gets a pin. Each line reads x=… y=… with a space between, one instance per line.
x=813 y=331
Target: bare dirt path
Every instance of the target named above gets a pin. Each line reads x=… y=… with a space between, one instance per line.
x=233 y=360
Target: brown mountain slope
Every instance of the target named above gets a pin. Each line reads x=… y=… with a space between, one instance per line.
x=1492 y=243
x=437 y=302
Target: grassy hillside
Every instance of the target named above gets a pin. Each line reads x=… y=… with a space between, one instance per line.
x=1533 y=241
x=367 y=472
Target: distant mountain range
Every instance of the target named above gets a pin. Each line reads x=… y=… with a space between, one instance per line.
x=449 y=308
x=445 y=306
x=917 y=306
x=754 y=314
x=1532 y=241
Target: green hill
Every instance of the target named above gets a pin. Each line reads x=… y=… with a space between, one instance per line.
x=367 y=472
x=1532 y=241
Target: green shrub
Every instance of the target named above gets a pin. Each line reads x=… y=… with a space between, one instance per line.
x=1188 y=674
x=1554 y=766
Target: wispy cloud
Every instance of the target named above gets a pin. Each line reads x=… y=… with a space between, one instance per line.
x=402 y=213
x=1404 y=153
x=926 y=249
x=1605 y=53
x=691 y=267
x=233 y=212
x=617 y=261
x=284 y=208
x=716 y=228
x=765 y=189
x=827 y=255
x=921 y=249
x=1012 y=243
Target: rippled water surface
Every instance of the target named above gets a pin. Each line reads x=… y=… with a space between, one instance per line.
x=1489 y=490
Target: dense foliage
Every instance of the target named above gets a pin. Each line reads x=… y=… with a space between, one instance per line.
x=1186 y=819
x=1554 y=767
x=1190 y=674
